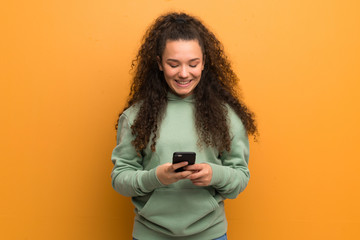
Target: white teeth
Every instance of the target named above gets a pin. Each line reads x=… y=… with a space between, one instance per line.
x=183 y=82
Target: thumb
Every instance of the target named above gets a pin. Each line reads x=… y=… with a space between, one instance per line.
x=194 y=167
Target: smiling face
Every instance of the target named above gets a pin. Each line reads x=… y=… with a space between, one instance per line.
x=182 y=63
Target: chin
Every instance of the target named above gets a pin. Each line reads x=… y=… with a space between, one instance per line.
x=185 y=94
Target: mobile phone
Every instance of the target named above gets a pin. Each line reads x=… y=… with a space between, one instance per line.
x=183 y=157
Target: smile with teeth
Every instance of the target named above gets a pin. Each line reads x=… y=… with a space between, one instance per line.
x=183 y=82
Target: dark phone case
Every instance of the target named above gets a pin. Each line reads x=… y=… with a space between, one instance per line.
x=183 y=157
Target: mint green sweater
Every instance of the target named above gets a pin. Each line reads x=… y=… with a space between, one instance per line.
x=180 y=210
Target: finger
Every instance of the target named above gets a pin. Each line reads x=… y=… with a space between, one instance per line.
x=196 y=175
x=184 y=174
x=194 y=167
x=178 y=165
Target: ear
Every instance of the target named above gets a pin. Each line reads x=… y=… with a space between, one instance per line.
x=159 y=63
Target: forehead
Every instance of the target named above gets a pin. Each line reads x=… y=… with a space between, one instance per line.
x=182 y=49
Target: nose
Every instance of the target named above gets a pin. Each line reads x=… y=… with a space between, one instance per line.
x=184 y=73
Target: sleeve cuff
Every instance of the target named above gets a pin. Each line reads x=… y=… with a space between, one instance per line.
x=150 y=181
x=217 y=172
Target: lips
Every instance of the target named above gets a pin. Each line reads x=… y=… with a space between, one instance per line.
x=183 y=83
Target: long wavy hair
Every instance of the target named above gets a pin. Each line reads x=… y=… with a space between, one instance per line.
x=217 y=88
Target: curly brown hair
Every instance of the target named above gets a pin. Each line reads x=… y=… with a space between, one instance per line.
x=216 y=89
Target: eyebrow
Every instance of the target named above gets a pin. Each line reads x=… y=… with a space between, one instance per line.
x=175 y=60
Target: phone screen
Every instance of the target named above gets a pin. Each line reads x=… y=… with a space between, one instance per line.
x=184 y=157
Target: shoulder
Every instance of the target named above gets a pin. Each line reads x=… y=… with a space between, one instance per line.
x=235 y=122
x=130 y=113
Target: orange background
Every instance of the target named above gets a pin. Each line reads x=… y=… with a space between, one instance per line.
x=65 y=77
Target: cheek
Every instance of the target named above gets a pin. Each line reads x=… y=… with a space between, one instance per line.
x=197 y=73
x=169 y=72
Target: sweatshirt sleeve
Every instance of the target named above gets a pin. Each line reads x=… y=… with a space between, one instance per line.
x=128 y=176
x=231 y=178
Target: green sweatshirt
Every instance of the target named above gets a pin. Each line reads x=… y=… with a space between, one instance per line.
x=180 y=210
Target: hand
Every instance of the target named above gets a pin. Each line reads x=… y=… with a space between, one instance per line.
x=167 y=175
x=202 y=174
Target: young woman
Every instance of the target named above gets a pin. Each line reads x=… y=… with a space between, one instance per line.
x=183 y=99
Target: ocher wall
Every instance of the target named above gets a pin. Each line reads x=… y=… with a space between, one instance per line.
x=65 y=77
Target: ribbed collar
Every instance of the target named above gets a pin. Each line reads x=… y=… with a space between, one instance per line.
x=172 y=97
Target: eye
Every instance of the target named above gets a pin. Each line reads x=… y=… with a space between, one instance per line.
x=193 y=66
x=173 y=66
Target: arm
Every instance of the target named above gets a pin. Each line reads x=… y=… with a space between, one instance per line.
x=231 y=178
x=128 y=176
